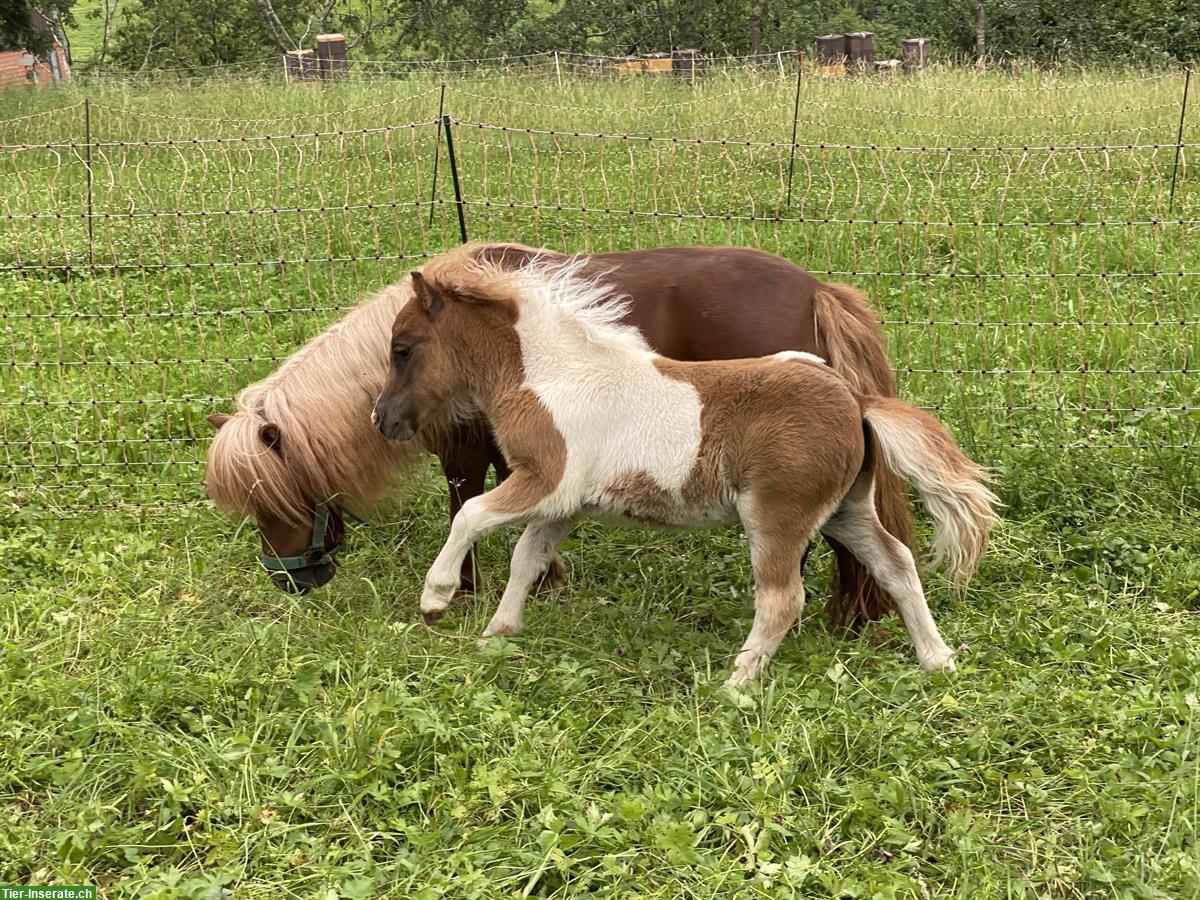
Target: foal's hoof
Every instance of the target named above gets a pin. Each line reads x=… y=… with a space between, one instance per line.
x=736 y=695
x=939 y=662
x=432 y=617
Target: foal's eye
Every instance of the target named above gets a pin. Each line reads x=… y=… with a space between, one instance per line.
x=401 y=354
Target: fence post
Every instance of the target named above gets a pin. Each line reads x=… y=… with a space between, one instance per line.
x=557 y=68
x=458 y=200
x=437 y=152
x=87 y=151
x=795 y=119
x=1187 y=80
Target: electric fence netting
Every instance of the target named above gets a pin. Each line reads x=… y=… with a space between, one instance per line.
x=1032 y=248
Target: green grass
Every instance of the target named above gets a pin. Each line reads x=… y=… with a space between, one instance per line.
x=88 y=33
x=172 y=725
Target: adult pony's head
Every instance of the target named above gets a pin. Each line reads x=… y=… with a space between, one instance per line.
x=299 y=451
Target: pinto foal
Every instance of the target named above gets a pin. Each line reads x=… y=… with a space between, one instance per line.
x=592 y=422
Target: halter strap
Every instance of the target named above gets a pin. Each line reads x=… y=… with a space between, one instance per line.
x=315 y=555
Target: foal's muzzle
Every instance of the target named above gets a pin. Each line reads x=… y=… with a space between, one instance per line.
x=393 y=427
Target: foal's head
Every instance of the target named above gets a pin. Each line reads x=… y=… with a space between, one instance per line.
x=445 y=343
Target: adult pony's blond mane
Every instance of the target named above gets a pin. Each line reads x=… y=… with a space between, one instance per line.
x=561 y=289
x=320 y=399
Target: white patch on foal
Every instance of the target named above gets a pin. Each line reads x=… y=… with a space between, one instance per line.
x=617 y=413
x=801 y=355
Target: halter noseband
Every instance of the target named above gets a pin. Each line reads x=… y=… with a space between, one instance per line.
x=315 y=555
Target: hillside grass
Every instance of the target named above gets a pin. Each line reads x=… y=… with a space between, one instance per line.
x=87 y=35
x=174 y=727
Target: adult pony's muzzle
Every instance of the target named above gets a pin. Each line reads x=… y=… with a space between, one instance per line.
x=314 y=567
x=301 y=581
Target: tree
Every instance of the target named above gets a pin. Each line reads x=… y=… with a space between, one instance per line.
x=196 y=34
x=26 y=26
x=980 y=43
x=757 y=9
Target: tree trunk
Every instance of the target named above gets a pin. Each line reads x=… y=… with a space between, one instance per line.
x=980 y=41
x=282 y=39
x=110 y=13
x=757 y=9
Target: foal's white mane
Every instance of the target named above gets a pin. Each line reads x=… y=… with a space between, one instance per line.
x=586 y=301
x=560 y=294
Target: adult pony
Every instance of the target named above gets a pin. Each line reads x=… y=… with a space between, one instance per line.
x=592 y=421
x=300 y=447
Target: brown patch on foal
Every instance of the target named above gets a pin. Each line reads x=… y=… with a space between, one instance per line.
x=757 y=412
x=637 y=496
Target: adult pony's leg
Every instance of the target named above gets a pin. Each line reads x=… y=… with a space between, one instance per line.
x=479 y=516
x=856 y=525
x=779 y=539
x=532 y=554
x=850 y=339
x=464 y=455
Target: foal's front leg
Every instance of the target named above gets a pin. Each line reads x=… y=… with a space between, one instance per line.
x=554 y=572
x=510 y=502
x=532 y=554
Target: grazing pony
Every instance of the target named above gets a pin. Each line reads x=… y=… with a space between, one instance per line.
x=300 y=448
x=593 y=422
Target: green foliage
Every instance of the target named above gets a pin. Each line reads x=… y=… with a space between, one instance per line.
x=17 y=31
x=168 y=34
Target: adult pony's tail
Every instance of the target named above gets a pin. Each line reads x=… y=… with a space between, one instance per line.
x=851 y=341
x=952 y=487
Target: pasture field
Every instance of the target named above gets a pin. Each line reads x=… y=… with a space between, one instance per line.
x=172 y=726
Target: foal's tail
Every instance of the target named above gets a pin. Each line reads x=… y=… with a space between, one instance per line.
x=953 y=488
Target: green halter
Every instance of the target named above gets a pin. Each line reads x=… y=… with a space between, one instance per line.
x=315 y=555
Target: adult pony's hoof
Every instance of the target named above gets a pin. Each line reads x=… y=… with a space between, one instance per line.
x=555 y=577
x=432 y=617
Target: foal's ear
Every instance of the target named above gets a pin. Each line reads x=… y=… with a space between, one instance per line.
x=428 y=296
x=269 y=434
x=216 y=420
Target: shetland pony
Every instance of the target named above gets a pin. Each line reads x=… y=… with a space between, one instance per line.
x=593 y=422
x=300 y=447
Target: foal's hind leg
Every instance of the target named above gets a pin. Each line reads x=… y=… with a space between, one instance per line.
x=857 y=526
x=533 y=551
x=778 y=545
